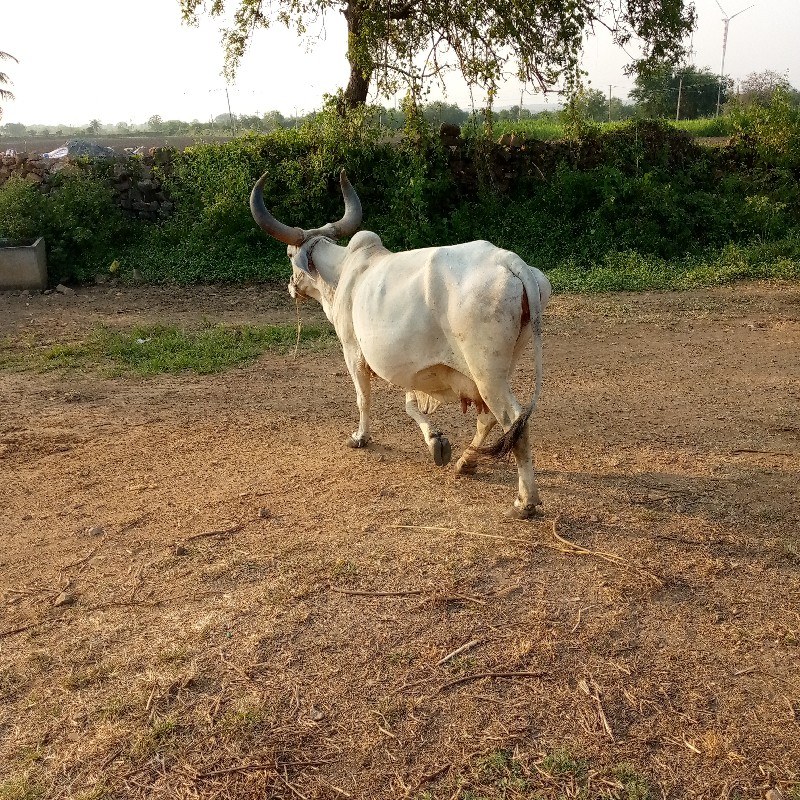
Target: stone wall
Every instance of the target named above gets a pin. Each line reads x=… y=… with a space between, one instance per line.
x=513 y=158
x=134 y=180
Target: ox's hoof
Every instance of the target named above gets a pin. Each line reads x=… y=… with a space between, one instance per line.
x=440 y=449
x=523 y=512
x=357 y=443
x=466 y=467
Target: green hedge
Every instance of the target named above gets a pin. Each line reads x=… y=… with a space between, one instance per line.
x=644 y=207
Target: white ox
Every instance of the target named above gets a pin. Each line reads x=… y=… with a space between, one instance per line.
x=447 y=324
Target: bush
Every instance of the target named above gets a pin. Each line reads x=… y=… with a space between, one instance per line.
x=637 y=199
x=21 y=209
x=83 y=230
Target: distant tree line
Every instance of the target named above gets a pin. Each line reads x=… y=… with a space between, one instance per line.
x=667 y=93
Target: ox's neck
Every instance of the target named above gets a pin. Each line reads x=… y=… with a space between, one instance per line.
x=328 y=259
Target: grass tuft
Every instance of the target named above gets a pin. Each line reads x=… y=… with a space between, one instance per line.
x=156 y=349
x=20 y=788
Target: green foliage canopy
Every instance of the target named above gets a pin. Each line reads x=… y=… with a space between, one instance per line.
x=656 y=92
x=758 y=88
x=395 y=44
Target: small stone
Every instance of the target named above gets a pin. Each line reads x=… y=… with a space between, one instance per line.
x=774 y=794
x=316 y=714
x=61 y=289
x=180 y=550
x=100 y=278
x=136 y=276
x=64 y=599
x=264 y=513
x=95 y=530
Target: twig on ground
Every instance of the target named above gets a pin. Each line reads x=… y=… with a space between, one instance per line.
x=80 y=560
x=792 y=712
x=133 y=523
x=467 y=597
x=360 y=593
x=478 y=675
x=459 y=650
x=336 y=789
x=22 y=628
x=744 y=671
x=137 y=581
x=510 y=539
x=593 y=692
x=203 y=776
x=578 y=621
x=226 y=532
x=763 y=452
x=571 y=547
x=285 y=779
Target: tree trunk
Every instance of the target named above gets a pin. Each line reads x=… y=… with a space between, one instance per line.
x=358 y=86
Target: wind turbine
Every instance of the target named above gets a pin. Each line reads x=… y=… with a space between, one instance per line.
x=727 y=20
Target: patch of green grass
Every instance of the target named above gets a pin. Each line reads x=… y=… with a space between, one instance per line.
x=542 y=128
x=245 y=720
x=99 y=792
x=497 y=775
x=633 y=271
x=400 y=657
x=791 y=552
x=10 y=681
x=634 y=785
x=84 y=677
x=460 y=665
x=155 y=349
x=714 y=126
x=561 y=763
x=114 y=709
x=157 y=737
x=20 y=788
x=495 y=764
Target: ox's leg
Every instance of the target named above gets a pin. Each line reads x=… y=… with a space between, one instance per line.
x=528 y=497
x=504 y=406
x=437 y=443
x=360 y=373
x=468 y=462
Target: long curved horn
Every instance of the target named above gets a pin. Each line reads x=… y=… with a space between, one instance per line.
x=351 y=221
x=268 y=223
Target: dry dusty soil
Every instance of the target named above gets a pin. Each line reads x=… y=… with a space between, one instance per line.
x=204 y=594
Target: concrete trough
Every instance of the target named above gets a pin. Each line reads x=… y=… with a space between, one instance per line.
x=23 y=264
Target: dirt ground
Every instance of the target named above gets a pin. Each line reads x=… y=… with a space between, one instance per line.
x=204 y=594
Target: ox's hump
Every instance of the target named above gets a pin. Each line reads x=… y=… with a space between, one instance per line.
x=364 y=239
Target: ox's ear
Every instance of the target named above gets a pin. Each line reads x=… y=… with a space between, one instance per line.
x=300 y=261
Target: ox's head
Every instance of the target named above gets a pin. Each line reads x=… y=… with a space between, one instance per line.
x=301 y=243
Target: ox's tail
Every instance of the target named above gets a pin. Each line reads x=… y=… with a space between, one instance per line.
x=505 y=444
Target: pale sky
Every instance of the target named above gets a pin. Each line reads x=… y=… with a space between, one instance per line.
x=79 y=61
